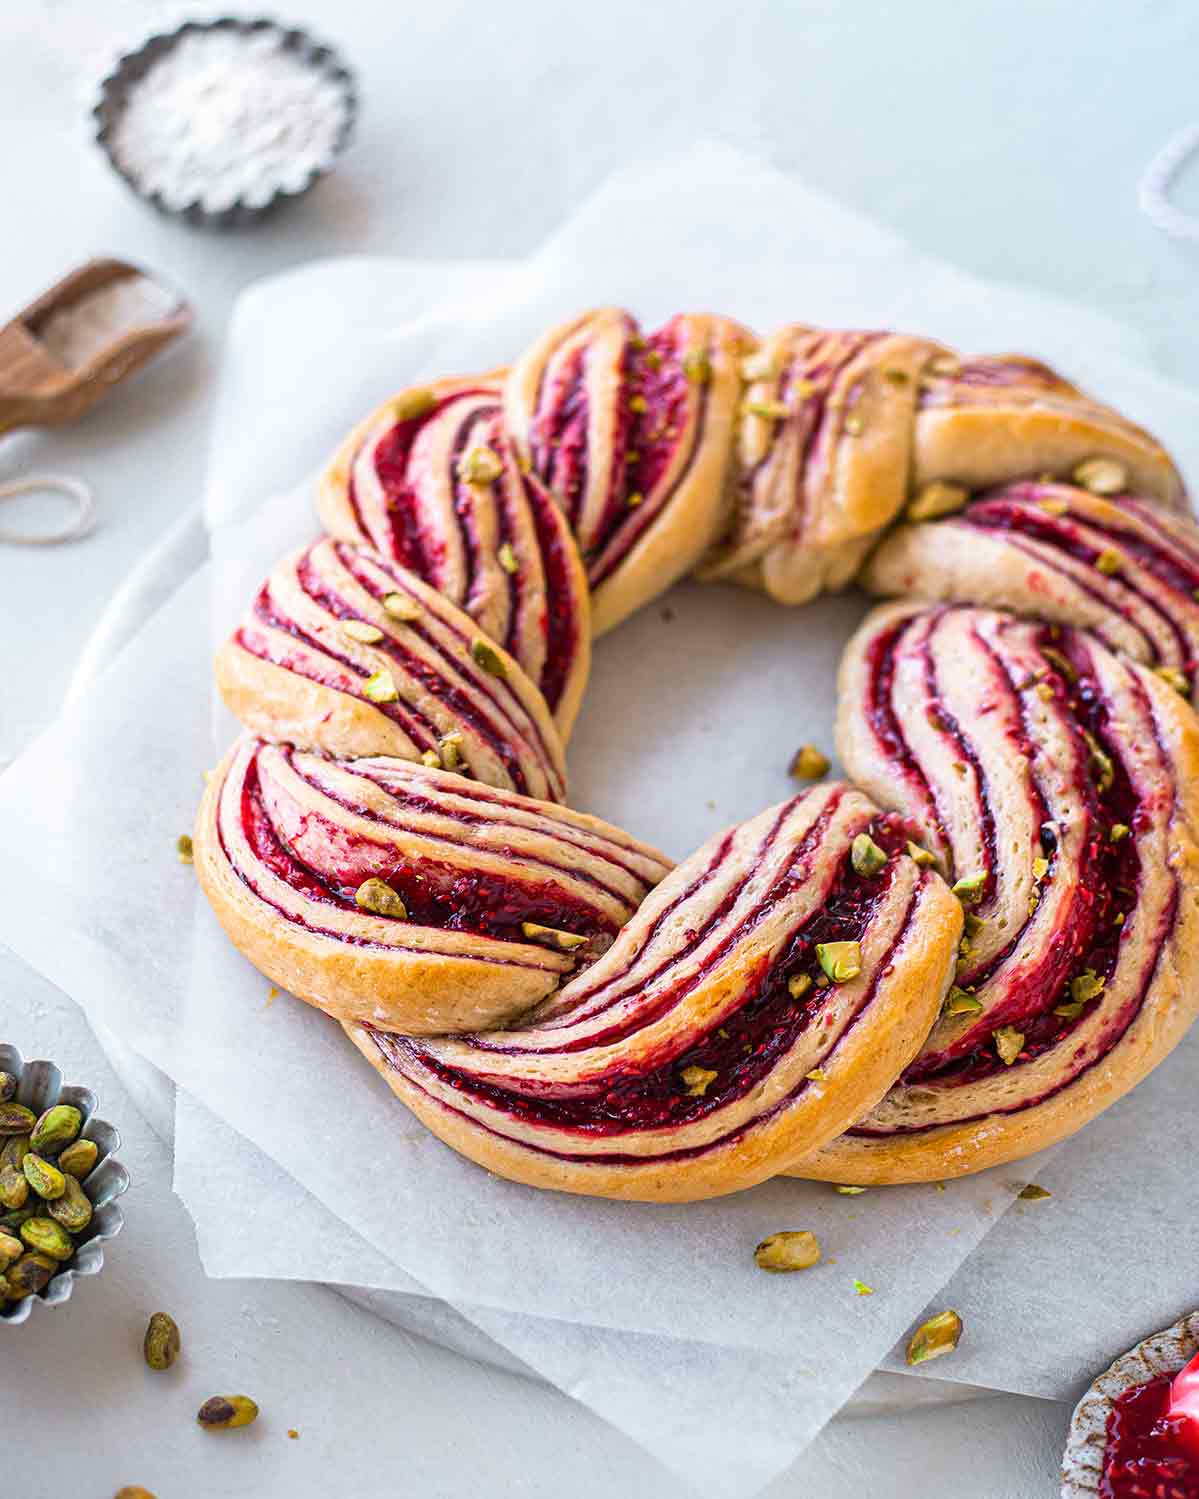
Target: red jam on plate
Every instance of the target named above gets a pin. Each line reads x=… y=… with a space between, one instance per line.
x=1150 y=1454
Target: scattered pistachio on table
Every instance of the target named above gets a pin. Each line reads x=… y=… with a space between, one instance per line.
x=226 y=1412
x=162 y=1342
x=937 y=1336
x=792 y=1249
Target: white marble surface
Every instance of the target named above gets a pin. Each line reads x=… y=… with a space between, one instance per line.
x=1006 y=136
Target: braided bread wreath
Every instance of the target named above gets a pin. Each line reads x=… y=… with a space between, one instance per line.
x=958 y=957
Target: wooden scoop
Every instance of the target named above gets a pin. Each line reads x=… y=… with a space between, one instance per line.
x=39 y=390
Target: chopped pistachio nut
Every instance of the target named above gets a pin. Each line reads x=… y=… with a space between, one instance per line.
x=697 y=366
x=362 y=630
x=507 y=558
x=550 y=936
x=1070 y=1010
x=895 y=376
x=808 y=764
x=450 y=749
x=638 y=404
x=184 y=849
x=380 y=687
x=846 y=1191
x=412 y=403
x=961 y=1002
x=866 y=856
x=634 y=499
x=936 y=499
x=798 y=985
x=768 y=411
x=969 y=888
x=1053 y=506
x=862 y=1288
x=1101 y=476
x=480 y=465
x=1033 y=1193
x=1061 y=664
x=1175 y=678
x=1118 y=831
x=485 y=655
x=921 y=856
x=431 y=758
x=841 y=961
x=1009 y=1043
x=400 y=606
x=757 y=366
x=378 y=897
x=1044 y=692
x=1109 y=562
x=1105 y=770
x=1086 y=986
x=817 y=1075
x=697 y=1080
x=937 y=1336
x=853 y=425
x=972 y=923
x=1040 y=868
x=792 y=1249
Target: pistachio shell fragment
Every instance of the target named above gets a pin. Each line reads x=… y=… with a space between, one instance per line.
x=936 y=499
x=78 y=1159
x=1009 y=1043
x=400 y=606
x=480 y=465
x=412 y=403
x=361 y=630
x=8 y=1086
x=45 y=1179
x=550 y=936
x=227 y=1412
x=29 y=1275
x=808 y=764
x=16 y=1119
x=866 y=856
x=841 y=961
x=162 y=1342
x=792 y=1249
x=969 y=888
x=378 y=897
x=1101 y=476
x=44 y=1236
x=57 y=1126
x=11 y=1250
x=380 y=687
x=937 y=1336
x=183 y=849
x=485 y=655
x=1033 y=1193
x=73 y=1209
x=698 y=1080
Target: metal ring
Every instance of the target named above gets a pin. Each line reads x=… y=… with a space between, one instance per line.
x=1154 y=193
x=75 y=489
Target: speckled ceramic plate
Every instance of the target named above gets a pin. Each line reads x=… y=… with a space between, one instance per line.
x=1164 y=1353
x=40 y=1087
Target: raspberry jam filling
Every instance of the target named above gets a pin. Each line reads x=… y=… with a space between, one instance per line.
x=560 y=618
x=435 y=894
x=740 y=1051
x=1149 y=1453
x=558 y=439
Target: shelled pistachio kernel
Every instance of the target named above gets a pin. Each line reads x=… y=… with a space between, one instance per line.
x=184 y=850
x=1101 y=476
x=841 y=961
x=11 y=1250
x=792 y=1249
x=79 y=1158
x=1009 y=1043
x=401 y=607
x=410 y=404
x=480 y=465
x=937 y=1336
x=697 y=1080
x=1174 y=677
x=378 y=897
x=936 y=499
x=73 y=1209
x=8 y=1086
x=380 y=687
x=16 y=1119
x=961 y=1002
x=45 y=1179
x=362 y=631
x=162 y=1341
x=57 y=1126
x=866 y=856
x=485 y=655
x=969 y=888
x=14 y=1188
x=29 y=1275
x=227 y=1412
x=44 y=1236
x=551 y=936
x=808 y=764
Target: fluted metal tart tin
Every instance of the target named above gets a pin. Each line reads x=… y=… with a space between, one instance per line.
x=131 y=67
x=39 y=1087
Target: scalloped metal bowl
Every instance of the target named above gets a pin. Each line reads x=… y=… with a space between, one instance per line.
x=130 y=67
x=39 y=1087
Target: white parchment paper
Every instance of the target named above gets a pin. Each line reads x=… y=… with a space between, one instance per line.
x=655 y=1317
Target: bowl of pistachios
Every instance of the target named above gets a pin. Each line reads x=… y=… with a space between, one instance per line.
x=59 y=1181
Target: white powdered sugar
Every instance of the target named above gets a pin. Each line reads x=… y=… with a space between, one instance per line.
x=80 y=330
x=228 y=116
